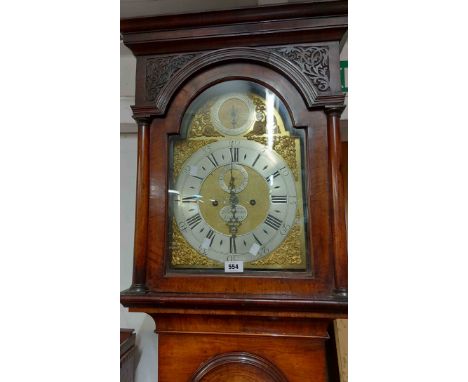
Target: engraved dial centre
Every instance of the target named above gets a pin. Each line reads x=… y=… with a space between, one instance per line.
x=248 y=185
x=235 y=198
x=226 y=213
x=239 y=177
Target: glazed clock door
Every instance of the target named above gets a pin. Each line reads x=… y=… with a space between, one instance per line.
x=237 y=184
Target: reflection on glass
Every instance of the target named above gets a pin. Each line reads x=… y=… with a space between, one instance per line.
x=236 y=183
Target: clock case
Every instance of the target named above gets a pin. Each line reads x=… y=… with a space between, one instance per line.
x=294 y=51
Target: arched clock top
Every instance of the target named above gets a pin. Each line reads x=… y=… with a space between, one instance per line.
x=307 y=67
x=262 y=75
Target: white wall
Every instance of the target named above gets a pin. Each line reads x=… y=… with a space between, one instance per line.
x=128 y=157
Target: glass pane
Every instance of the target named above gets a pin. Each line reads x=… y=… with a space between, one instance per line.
x=237 y=183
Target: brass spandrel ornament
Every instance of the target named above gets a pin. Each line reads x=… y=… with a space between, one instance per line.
x=288 y=253
x=237 y=187
x=183 y=150
x=185 y=255
x=202 y=125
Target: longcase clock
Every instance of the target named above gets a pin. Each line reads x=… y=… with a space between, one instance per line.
x=240 y=240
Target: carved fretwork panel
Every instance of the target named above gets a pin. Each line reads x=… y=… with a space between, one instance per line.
x=311 y=60
x=159 y=71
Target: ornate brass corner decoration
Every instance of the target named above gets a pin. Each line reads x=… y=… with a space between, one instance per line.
x=288 y=253
x=183 y=255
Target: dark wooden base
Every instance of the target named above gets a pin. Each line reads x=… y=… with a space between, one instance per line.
x=127 y=355
x=216 y=347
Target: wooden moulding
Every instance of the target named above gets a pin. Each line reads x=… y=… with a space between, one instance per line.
x=238 y=16
x=340 y=244
x=141 y=210
x=127 y=355
x=243 y=365
x=255 y=351
x=219 y=324
x=178 y=69
x=312 y=22
x=232 y=305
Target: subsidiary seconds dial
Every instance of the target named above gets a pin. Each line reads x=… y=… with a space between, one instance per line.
x=236 y=200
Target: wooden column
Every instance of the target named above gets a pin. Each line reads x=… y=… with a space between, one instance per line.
x=141 y=209
x=340 y=245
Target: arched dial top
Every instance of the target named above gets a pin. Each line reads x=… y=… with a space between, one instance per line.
x=236 y=182
x=236 y=197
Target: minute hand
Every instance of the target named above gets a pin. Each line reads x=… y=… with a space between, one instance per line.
x=233 y=222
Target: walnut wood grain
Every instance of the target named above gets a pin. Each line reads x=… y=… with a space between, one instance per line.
x=344 y=169
x=141 y=211
x=238 y=16
x=295 y=357
x=180 y=69
x=340 y=245
x=241 y=324
x=272 y=305
x=312 y=22
x=241 y=367
x=306 y=66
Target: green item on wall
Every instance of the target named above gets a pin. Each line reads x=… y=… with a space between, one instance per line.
x=343 y=67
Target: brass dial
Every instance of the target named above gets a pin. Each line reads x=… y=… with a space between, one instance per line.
x=252 y=198
x=236 y=182
x=233 y=114
x=236 y=198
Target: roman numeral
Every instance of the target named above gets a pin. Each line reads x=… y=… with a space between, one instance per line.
x=275 y=174
x=210 y=235
x=256 y=239
x=273 y=222
x=232 y=244
x=194 y=220
x=279 y=199
x=213 y=160
x=234 y=154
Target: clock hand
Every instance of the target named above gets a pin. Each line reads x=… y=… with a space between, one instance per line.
x=233 y=222
x=231 y=181
x=233 y=117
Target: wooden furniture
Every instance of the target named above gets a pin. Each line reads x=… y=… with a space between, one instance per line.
x=264 y=324
x=127 y=355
